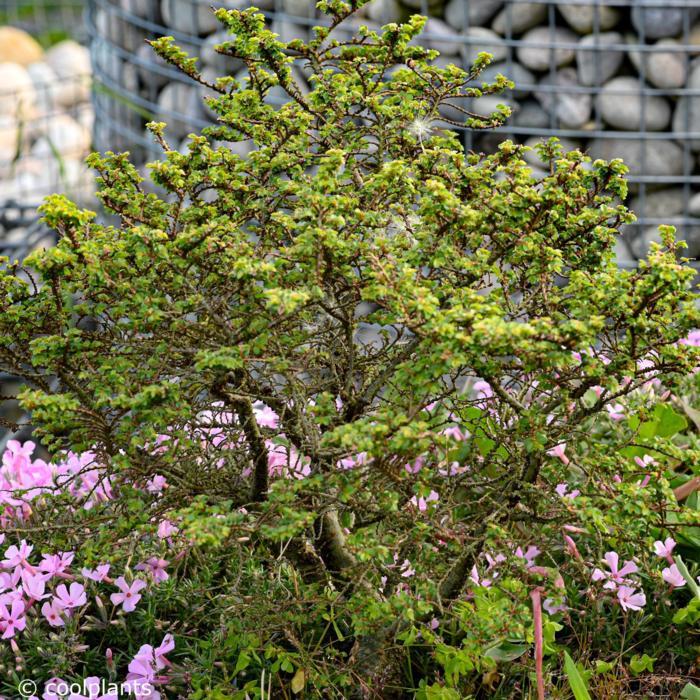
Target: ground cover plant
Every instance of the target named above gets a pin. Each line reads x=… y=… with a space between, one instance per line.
x=359 y=415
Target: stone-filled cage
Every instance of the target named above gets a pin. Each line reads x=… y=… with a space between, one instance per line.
x=616 y=79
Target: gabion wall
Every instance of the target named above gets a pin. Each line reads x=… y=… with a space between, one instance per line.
x=45 y=109
x=618 y=79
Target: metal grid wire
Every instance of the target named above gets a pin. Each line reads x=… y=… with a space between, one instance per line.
x=646 y=109
x=46 y=19
x=45 y=110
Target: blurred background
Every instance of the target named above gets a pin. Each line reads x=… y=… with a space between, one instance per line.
x=616 y=79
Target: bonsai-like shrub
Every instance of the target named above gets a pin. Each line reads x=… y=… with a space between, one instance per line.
x=360 y=350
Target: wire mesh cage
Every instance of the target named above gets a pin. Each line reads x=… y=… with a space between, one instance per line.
x=47 y=20
x=616 y=79
x=45 y=110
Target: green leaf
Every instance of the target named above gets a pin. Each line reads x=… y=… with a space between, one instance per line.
x=690 y=692
x=242 y=662
x=298 y=681
x=692 y=584
x=638 y=664
x=506 y=651
x=669 y=422
x=602 y=667
x=578 y=685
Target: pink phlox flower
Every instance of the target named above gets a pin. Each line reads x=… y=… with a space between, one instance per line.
x=69 y=598
x=417 y=465
x=92 y=685
x=17 y=556
x=423 y=503
x=285 y=462
x=630 y=599
x=11 y=596
x=98 y=574
x=529 y=555
x=494 y=561
x=406 y=569
x=10 y=579
x=17 y=457
x=559 y=452
x=693 y=339
x=156 y=567
x=142 y=674
x=454 y=432
x=165 y=647
x=12 y=620
x=483 y=393
x=52 y=612
x=562 y=491
x=166 y=529
x=645 y=461
x=34 y=585
x=673 y=576
x=477 y=580
x=129 y=594
x=665 y=549
x=51 y=689
x=156 y=484
x=353 y=461
x=616 y=576
x=572 y=548
x=265 y=416
x=615 y=411
x=56 y=564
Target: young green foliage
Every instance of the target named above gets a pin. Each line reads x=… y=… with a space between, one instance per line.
x=259 y=279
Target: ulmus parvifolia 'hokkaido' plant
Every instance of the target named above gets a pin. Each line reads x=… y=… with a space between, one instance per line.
x=366 y=354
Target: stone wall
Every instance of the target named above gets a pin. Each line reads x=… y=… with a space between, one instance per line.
x=619 y=79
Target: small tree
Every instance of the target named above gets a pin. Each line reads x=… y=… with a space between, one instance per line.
x=356 y=274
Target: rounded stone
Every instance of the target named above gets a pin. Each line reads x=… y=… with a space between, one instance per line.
x=585 y=19
x=154 y=72
x=479 y=39
x=595 y=63
x=524 y=80
x=686 y=117
x=530 y=115
x=189 y=16
x=119 y=30
x=71 y=63
x=620 y=103
x=688 y=232
x=18 y=96
x=461 y=14
x=179 y=107
x=518 y=17
x=661 y=157
x=16 y=46
x=663 y=69
x=47 y=87
x=656 y=204
x=694 y=204
x=223 y=65
x=383 y=11
x=146 y=9
x=299 y=8
x=533 y=157
x=658 y=22
x=440 y=36
x=623 y=254
x=560 y=97
x=289 y=31
x=536 y=52
x=63 y=136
